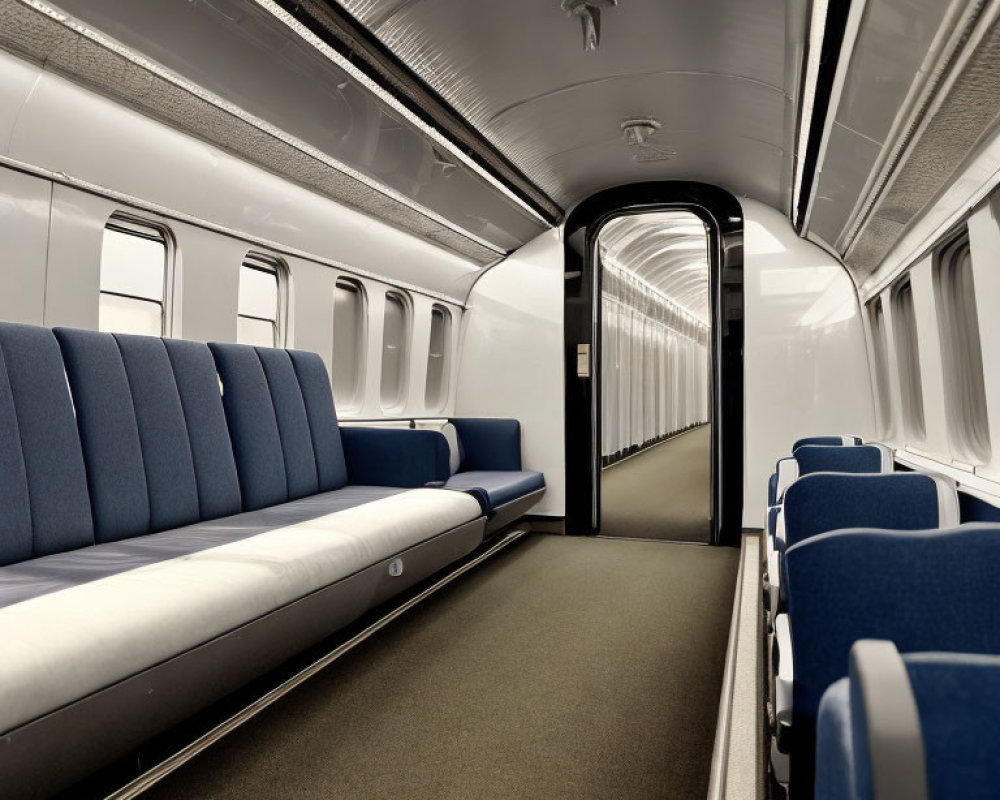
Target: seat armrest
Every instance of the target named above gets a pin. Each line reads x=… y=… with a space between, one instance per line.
x=489 y=444
x=403 y=457
x=785 y=673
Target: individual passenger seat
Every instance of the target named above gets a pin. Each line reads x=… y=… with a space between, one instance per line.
x=919 y=726
x=928 y=590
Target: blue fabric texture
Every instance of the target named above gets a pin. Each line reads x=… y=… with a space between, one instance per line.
x=253 y=426
x=208 y=434
x=922 y=590
x=314 y=383
x=835 y=766
x=293 y=425
x=500 y=487
x=109 y=433
x=772 y=489
x=824 y=502
x=15 y=519
x=819 y=458
x=50 y=443
x=163 y=433
x=958 y=700
x=489 y=444
x=772 y=520
x=828 y=441
x=958 y=697
x=395 y=456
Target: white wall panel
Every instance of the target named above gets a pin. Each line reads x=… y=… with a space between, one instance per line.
x=512 y=357
x=806 y=365
x=120 y=150
x=24 y=235
x=984 y=238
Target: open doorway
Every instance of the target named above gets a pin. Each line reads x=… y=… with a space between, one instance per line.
x=656 y=444
x=722 y=217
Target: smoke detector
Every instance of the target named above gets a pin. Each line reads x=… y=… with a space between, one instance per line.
x=589 y=14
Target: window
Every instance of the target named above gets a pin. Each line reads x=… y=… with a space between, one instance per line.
x=880 y=345
x=133 y=278
x=394 y=355
x=436 y=393
x=348 y=343
x=904 y=323
x=259 y=317
x=961 y=354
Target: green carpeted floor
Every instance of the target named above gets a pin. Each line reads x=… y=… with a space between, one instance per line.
x=662 y=493
x=565 y=668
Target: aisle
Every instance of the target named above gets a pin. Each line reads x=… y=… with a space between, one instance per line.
x=567 y=668
x=663 y=493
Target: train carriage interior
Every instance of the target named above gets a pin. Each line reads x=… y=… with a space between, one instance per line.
x=531 y=399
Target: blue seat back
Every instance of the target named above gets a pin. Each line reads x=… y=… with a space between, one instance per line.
x=830 y=441
x=139 y=449
x=828 y=501
x=958 y=704
x=923 y=590
x=43 y=481
x=280 y=412
x=865 y=458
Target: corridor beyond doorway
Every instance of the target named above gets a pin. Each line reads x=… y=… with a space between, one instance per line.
x=661 y=493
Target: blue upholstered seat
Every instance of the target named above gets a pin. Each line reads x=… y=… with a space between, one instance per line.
x=130 y=483
x=957 y=699
x=501 y=487
x=923 y=590
x=829 y=441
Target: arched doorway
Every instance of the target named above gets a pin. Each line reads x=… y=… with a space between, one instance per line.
x=723 y=219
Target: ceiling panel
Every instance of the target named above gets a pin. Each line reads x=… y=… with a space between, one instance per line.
x=711 y=72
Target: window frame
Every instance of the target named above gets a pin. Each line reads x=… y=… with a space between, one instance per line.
x=966 y=407
x=444 y=389
x=399 y=402
x=361 y=352
x=907 y=340
x=270 y=264
x=878 y=328
x=130 y=224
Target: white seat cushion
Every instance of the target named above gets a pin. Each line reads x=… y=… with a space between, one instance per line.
x=63 y=645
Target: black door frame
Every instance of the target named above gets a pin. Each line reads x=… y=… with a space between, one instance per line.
x=723 y=218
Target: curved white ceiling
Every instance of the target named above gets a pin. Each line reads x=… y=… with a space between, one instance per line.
x=712 y=72
x=668 y=250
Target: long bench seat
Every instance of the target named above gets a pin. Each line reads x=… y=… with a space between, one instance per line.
x=163 y=543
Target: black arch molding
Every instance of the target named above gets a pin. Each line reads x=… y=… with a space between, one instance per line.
x=723 y=217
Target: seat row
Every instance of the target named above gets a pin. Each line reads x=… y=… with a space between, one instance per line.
x=163 y=542
x=857 y=551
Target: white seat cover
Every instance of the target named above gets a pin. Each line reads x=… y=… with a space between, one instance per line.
x=64 y=645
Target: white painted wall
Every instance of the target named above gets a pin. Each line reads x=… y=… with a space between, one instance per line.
x=806 y=366
x=120 y=150
x=512 y=357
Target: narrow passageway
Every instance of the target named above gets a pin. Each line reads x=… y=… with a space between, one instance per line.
x=568 y=667
x=662 y=493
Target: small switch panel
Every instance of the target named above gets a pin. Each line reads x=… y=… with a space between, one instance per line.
x=583 y=360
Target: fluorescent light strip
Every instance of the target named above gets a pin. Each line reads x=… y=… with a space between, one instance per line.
x=386 y=97
x=817 y=32
x=236 y=111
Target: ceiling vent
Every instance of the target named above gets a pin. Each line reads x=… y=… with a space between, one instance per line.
x=589 y=14
x=637 y=134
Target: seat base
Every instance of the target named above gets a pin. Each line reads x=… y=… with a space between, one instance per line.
x=78 y=736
